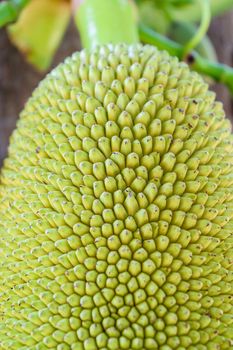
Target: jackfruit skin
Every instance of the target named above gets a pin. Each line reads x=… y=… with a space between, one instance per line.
x=116 y=209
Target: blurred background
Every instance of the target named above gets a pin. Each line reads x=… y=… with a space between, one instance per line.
x=18 y=78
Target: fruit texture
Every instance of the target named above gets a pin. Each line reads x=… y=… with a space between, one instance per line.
x=116 y=209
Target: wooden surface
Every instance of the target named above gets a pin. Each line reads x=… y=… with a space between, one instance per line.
x=18 y=79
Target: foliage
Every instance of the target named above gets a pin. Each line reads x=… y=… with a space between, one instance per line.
x=39 y=30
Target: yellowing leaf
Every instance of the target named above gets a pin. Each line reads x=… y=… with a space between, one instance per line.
x=39 y=30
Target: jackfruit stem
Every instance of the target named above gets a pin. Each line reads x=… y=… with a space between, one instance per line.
x=106 y=21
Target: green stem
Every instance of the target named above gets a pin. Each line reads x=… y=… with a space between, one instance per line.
x=10 y=10
x=200 y=33
x=106 y=21
x=219 y=72
x=149 y=36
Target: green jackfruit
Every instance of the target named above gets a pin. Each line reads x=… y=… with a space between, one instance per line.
x=117 y=209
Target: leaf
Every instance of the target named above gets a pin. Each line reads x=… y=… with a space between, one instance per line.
x=10 y=10
x=39 y=30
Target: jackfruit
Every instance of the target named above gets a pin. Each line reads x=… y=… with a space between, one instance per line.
x=117 y=209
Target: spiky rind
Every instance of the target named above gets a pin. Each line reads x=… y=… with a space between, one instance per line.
x=116 y=209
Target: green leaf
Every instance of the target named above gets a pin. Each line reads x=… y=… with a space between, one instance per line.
x=10 y=10
x=39 y=30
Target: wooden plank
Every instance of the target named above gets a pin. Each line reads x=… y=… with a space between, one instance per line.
x=220 y=35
